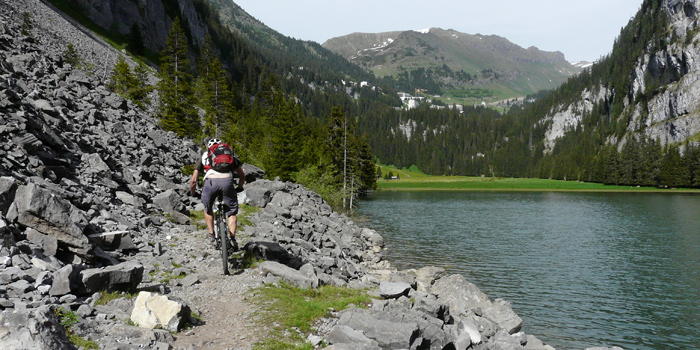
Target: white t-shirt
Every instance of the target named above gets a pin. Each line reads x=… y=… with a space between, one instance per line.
x=205 y=162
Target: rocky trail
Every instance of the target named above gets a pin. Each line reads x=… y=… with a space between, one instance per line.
x=222 y=302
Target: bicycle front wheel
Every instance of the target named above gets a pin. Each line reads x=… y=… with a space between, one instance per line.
x=223 y=231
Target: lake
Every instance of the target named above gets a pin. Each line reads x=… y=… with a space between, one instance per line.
x=580 y=269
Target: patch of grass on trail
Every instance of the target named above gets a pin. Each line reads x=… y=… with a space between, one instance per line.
x=467 y=183
x=288 y=312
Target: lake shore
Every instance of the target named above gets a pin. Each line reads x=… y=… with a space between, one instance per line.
x=465 y=183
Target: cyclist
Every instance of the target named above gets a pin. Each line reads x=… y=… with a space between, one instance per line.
x=215 y=183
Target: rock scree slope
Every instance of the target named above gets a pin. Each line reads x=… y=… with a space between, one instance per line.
x=92 y=200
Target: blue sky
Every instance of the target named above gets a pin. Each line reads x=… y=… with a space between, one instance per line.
x=582 y=30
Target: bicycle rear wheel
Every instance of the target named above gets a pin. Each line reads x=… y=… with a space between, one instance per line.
x=223 y=239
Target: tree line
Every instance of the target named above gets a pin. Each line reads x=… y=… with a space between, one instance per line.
x=268 y=128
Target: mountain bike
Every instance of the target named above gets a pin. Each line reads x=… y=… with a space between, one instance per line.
x=221 y=237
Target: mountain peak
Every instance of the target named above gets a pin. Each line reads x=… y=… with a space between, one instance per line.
x=457 y=60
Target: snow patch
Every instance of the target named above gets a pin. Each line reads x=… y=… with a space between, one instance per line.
x=423 y=31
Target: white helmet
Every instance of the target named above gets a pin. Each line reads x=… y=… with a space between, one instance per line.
x=213 y=142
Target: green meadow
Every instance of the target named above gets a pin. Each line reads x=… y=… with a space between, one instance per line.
x=416 y=181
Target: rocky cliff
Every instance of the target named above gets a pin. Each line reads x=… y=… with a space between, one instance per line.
x=672 y=115
x=153 y=18
x=92 y=200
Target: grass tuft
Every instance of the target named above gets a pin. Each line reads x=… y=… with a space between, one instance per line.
x=292 y=311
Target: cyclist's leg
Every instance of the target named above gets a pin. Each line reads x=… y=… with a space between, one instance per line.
x=232 y=221
x=231 y=201
x=208 y=197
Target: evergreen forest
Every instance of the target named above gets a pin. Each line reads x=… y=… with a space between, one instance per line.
x=300 y=117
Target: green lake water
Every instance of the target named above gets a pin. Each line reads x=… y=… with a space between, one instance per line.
x=580 y=269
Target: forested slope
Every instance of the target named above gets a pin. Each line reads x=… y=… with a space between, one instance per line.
x=632 y=118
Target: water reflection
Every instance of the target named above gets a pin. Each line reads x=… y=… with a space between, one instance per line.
x=581 y=269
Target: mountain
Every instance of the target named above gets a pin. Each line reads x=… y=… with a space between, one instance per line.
x=631 y=118
x=456 y=60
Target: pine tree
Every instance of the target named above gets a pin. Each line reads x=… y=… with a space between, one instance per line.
x=213 y=91
x=176 y=110
x=122 y=78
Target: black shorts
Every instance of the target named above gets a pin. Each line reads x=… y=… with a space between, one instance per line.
x=213 y=187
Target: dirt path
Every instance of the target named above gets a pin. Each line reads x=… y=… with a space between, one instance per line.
x=222 y=302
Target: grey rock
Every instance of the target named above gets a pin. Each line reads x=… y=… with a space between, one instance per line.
x=288 y=274
x=501 y=313
x=85 y=310
x=140 y=335
x=152 y=310
x=347 y=335
x=51 y=215
x=426 y=276
x=123 y=277
x=32 y=329
x=48 y=243
x=393 y=289
x=116 y=240
x=169 y=202
x=460 y=295
x=429 y=305
x=258 y=196
x=20 y=287
x=271 y=251
x=389 y=335
x=7 y=193
x=252 y=173
x=503 y=340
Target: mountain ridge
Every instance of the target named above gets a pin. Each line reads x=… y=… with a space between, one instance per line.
x=458 y=60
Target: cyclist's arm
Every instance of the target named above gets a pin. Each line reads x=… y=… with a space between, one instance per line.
x=193 y=181
x=241 y=177
x=195 y=176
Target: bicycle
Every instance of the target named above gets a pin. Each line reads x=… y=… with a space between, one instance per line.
x=221 y=236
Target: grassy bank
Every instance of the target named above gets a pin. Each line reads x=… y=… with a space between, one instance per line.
x=414 y=181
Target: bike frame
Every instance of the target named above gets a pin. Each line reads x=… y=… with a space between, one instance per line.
x=221 y=231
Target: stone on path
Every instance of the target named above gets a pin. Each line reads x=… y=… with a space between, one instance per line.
x=153 y=310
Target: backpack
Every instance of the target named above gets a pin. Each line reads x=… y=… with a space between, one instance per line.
x=221 y=158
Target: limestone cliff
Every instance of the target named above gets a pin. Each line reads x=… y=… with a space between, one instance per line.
x=672 y=114
x=153 y=18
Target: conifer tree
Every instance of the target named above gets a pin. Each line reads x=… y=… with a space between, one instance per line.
x=122 y=78
x=213 y=91
x=176 y=110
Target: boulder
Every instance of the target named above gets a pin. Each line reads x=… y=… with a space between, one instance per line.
x=153 y=310
x=460 y=295
x=122 y=277
x=393 y=290
x=288 y=274
x=51 y=215
x=503 y=340
x=258 y=196
x=169 y=202
x=271 y=251
x=7 y=193
x=252 y=173
x=284 y=200
x=426 y=276
x=140 y=335
x=349 y=336
x=387 y=334
x=115 y=240
x=501 y=313
x=66 y=280
x=48 y=243
x=32 y=329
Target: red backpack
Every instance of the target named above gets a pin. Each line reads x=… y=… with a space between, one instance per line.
x=221 y=158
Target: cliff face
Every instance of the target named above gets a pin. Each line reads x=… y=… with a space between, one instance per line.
x=151 y=17
x=672 y=115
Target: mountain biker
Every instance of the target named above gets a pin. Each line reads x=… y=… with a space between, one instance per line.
x=215 y=183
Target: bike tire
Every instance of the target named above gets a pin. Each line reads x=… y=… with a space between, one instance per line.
x=224 y=245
